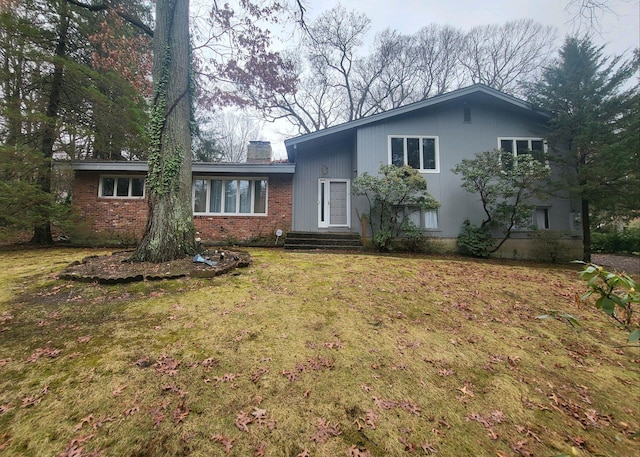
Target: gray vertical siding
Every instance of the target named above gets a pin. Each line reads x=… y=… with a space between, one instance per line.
x=338 y=158
x=365 y=147
x=457 y=140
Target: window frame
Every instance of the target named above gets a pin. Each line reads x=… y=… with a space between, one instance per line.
x=514 y=146
x=129 y=195
x=421 y=139
x=223 y=196
x=421 y=217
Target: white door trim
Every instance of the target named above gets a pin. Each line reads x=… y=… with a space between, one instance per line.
x=324 y=203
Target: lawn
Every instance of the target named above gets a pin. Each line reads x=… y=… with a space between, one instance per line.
x=312 y=354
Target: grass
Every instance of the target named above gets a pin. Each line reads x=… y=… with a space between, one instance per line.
x=311 y=354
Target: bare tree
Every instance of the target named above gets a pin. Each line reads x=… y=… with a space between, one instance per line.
x=333 y=40
x=438 y=48
x=504 y=56
x=234 y=131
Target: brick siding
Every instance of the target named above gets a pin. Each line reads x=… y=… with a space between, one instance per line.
x=127 y=217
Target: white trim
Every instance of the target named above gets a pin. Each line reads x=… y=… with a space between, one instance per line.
x=529 y=139
x=207 y=202
x=421 y=138
x=115 y=187
x=327 y=202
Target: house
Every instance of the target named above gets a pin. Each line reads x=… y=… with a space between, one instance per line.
x=231 y=201
x=433 y=136
x=311 y=192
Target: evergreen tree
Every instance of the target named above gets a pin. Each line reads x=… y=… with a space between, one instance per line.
x=591 y=129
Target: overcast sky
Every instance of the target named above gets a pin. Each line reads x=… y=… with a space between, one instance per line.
x=617 y=29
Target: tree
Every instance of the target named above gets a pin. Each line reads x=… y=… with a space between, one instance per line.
x=506 y=190
x=233 y=133
x=170 y=233
x=391 y=196
x=591 y=128
x=505 y=56
x=55 y=101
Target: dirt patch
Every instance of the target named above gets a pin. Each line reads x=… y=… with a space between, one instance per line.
x=117 y=268
x=629 y=264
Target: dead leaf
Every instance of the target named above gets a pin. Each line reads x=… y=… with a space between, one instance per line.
x=180 y=413
x=118 y=391
x=242 y=421
x=324 y=431
x=226 y=441
x=84 y=339
x=428 y=449
x=357 y=452
x=260 y=449
x=304 y=453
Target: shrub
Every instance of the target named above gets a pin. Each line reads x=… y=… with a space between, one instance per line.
x=625 y=241
x=547 y=245
x=474 y=241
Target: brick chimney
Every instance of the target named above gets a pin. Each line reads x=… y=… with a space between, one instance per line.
x=259 y=152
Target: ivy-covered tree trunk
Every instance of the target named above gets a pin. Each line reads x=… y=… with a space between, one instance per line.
x=170 y=232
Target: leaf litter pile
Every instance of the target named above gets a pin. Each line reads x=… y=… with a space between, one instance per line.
x=311 y=354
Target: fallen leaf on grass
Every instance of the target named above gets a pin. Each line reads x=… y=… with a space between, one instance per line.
x=180 y=413
x=357 y=452
x=74 y=448
x=242 y=421
x=84 y=420
x=428 y=449
x=167 y=365
x=118 y=391
x=290 y=375
x=226 y=441
x=84 y=339
x=42 y=352
x=260 y=449
x=324 y=431
x=304 y=453
x=4 y=362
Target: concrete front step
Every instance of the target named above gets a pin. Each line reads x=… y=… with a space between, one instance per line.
x=324 y=241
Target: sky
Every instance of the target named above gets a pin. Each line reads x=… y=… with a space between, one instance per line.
x=618 y=29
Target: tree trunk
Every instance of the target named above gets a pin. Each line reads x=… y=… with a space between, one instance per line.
x=586 y=231
x=42 y=231
x=170 y=232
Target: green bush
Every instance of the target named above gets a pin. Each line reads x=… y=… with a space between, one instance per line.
x=474 y=241
x=625 y=241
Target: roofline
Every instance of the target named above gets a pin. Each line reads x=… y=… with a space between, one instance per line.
x=197 y=167
x=413 y=107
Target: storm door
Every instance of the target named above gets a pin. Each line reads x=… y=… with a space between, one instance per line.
x=333 y=203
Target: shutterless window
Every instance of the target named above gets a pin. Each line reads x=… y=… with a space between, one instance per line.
x=417 y=152
x=513 y=147
x=230 y=196
x=121 y=187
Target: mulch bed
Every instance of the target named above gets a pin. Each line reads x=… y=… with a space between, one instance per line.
x=117 y=268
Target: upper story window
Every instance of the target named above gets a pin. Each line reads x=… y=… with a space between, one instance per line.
x=513 y=147
x=419 y=152
x=230 y=196
x=121 y=187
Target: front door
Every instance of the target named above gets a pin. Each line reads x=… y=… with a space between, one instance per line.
x=333 y=203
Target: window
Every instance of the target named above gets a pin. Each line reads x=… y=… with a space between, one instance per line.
x=513 y=147
x=121 y=187
x=539 y=219
x=230 y=196
x=418 y=152
x=542 y=218
x=431 y=219
x=426 y=219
